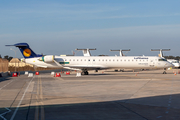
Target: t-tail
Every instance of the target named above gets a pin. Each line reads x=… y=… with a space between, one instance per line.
x=26 y=50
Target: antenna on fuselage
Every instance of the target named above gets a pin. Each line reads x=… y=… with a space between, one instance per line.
x=120 y=51
x=160 y=50
x=86 y=52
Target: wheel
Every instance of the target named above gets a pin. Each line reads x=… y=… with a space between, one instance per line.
x=164 y=72
x=86 y=73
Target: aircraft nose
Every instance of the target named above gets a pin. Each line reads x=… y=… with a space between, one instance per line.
x=169 y=64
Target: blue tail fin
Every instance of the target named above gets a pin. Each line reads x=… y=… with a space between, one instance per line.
x=26 y=50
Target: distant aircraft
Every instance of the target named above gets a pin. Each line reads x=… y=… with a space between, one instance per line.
x=86 y=52
x=86 y=63
x=121 y=54
x=172 y=61
x=120 y=51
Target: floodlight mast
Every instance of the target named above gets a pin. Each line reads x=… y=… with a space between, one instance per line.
x=86 y=52
x=120 y=51
x=160 y=50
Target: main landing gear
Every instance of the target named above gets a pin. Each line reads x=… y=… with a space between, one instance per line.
x=85 y=72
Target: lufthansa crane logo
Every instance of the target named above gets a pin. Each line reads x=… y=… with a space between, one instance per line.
x=27 y=52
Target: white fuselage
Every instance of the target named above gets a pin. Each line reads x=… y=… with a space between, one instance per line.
x=103 y=62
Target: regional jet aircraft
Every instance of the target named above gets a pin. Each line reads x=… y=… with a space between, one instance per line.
x=86 y=63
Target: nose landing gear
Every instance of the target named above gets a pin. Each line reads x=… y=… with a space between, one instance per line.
x=164 y=71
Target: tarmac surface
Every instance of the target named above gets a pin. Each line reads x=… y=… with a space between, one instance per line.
x=143 y=95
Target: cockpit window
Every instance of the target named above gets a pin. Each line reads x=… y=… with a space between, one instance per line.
x=162 y=59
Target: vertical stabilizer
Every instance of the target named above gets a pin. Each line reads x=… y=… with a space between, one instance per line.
x=25 y=50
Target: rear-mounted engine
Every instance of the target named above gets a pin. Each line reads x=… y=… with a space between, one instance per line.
x=47 y=58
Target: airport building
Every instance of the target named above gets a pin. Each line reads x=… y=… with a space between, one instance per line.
x=3 y=65
x=15 y=62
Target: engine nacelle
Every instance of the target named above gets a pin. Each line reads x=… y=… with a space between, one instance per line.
x=47 y=58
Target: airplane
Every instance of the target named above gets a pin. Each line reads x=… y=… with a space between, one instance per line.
x=86 y=52
x=172 y=61
x=120 y=51
x=121 y=54
x=86 y=63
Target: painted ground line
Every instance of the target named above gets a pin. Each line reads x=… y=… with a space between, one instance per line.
x=1 y=115
x=21 y=100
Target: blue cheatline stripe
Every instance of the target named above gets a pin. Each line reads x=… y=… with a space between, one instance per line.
x=63 y=62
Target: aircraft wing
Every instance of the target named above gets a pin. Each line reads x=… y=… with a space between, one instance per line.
x=83 y=67
x=87 y=67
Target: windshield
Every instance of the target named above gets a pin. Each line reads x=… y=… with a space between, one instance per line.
x=162 y=59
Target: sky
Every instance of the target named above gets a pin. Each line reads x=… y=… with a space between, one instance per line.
x=60 y=26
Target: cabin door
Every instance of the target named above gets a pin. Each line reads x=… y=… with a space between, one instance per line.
x=152 y=63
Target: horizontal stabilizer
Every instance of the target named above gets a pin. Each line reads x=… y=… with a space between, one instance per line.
x=122 y=50
x=160 y=49
x=20 y=45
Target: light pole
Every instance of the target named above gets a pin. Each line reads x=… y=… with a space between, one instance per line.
x=15 y=57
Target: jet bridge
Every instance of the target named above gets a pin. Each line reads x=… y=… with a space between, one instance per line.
x=86 y=52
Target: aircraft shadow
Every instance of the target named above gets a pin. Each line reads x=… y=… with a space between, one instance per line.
x=147 y=108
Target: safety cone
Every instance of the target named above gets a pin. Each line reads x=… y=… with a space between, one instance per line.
x=15 y=74
x=67 y=73
x=58 y=75
x=37 y=73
